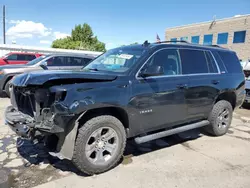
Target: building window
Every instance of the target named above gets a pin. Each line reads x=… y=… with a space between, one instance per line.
x=184 y=38
x=173 y=40
x=195 y=39
x=239 y=37
x=222 y=38
x=208 y=39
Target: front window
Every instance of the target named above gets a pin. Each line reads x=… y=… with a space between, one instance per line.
x=116 y=60
x=37 y=60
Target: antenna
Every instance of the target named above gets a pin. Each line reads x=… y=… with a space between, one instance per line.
x=213 y=22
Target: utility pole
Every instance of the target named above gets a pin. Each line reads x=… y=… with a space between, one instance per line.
x=4 y=39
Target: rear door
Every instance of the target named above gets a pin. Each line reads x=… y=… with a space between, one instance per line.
x=22 y=59
x=204 y=81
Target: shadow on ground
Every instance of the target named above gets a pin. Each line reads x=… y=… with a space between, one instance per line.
x=3 y=95
x=246 y=106
x=36 y=154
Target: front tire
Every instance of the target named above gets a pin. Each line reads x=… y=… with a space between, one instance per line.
x=220 y=118
x=100 y=144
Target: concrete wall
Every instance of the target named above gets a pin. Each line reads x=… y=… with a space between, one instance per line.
x=230 y=25
x=5 y=48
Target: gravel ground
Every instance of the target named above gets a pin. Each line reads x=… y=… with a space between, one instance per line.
x=198 y=160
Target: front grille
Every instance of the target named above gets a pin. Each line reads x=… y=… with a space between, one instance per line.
x=23 y=102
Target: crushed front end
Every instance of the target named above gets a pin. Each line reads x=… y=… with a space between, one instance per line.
x=37 y=112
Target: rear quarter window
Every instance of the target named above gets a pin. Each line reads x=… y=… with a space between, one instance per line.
x=230 y=61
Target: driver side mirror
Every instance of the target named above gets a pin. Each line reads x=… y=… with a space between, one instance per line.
x=5 y=59
x=44 y=65
x=152 y=71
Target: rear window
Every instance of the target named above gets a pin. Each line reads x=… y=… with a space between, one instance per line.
x=211 y=63
x=193 y=61
x=219 y=62
x=231 y=62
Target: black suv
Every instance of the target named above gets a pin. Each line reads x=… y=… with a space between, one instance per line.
x=143 y=92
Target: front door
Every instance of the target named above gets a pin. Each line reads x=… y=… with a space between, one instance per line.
x=159 y=101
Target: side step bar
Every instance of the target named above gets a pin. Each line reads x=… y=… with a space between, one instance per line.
x=140 y=140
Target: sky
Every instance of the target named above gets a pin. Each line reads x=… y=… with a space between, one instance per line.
x=114 y=22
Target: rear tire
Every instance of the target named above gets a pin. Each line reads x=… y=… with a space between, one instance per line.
x=100 y=144
x=220 y=118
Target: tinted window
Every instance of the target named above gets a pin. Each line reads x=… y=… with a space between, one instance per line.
x=211 y=63
x=55 y=61
x=193 y=61
x=231 y=62
x=12 y=57
x=222 y=38
x=208 y=39
x=30 y=57
x=168 y=60
x=239 y=37
x=76 y=61
x=21 y=57
x=195 y=39
x=219 y=62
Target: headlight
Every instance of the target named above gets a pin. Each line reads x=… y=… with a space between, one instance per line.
x=60 y=95
x=1 y=72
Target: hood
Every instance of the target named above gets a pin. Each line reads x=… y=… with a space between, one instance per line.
x=41 y=77
x=12 y=66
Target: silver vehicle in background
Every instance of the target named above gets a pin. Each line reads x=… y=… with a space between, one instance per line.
x=247 y=99
x=45 y=62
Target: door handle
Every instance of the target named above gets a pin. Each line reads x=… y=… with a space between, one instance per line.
x=215 y=82
x=182 y=86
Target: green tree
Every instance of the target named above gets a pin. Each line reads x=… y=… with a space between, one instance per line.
x=82 y=38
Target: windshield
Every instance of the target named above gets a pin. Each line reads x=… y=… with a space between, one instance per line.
x=37 y=60
x=116 y=60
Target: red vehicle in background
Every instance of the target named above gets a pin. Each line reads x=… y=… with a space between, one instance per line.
x=18 y=58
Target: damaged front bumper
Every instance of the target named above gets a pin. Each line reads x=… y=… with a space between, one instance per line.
x=20 y=123
x=28 y=127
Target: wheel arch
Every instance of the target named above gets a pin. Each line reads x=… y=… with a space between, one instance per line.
x=66 y=142
x=229 y=96
x=8 y=78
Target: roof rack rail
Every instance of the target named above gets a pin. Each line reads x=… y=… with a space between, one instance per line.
x=168 y=41
x=215 y=45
